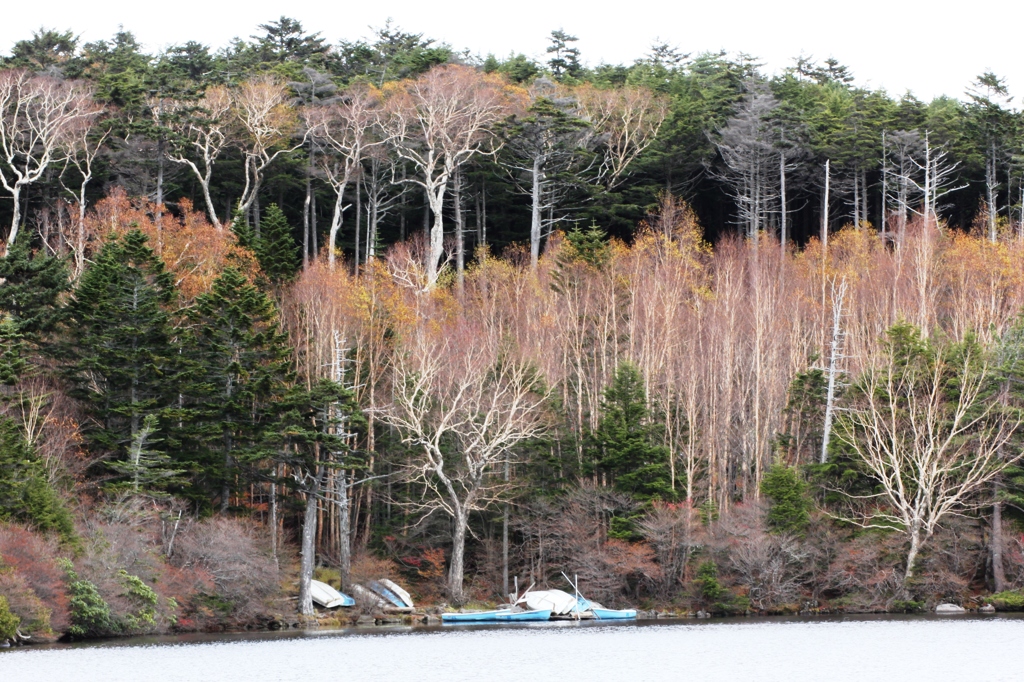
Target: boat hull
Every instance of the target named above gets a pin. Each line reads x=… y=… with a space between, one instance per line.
x=524 y=616
x=474 y=616
x=329 y=598
x=614 y=614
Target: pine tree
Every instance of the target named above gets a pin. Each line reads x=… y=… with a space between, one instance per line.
x=787 y=495
x=12 y=352
x=276 y=249
x=240 y=369
x=147 y=469
x=624 y=447
x=32 y=289
x=121 y=356
x=25 y=494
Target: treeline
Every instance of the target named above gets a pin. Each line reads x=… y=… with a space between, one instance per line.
x=273 y=119
x=194 y=389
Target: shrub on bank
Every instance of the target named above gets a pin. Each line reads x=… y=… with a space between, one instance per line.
x=1007 y=601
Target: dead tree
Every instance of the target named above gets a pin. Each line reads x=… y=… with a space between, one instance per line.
x=345 y=132
x=261 y=108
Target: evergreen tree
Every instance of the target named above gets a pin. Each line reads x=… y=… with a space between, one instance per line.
x=147 y=469
x=275 y=248
x=565 y=56
x=787 y=493
x=33 y=285
x=240 y=369
x=625 y=445
x=25 y=494
x=120 y=353
x=12 y=353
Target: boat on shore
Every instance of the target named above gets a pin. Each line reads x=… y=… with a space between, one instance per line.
x=326 y=596
x=391 y=600
x=398 y=591
x=474 y=616
x=601 y=613
x=558 y=602
x=506 y=615
x=524 y=616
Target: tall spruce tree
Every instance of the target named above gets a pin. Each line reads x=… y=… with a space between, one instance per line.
x=25 y=493
x=625 y=448
x=239 y=371
x=119 y=346
x=275 y=248
x=33 y=285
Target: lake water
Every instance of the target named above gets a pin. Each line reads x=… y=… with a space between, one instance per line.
x=853 y=648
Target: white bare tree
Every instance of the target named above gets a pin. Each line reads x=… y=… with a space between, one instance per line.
x=197 y=130
x=928 y=427
x=40 y=118
x=748 y=151
x=82 y=155
x=626 y=120
x=462 y=403
x=545 y=141
x=261 y=107
x=344 y=131
x=438 y=122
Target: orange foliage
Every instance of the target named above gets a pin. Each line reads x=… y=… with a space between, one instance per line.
x=192 y=249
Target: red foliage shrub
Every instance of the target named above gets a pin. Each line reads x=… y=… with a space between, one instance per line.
x=33 y=559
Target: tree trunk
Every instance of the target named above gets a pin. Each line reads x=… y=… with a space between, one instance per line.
x=460 y=235
x=990 y=190
x=535 y=221
x=782 y=202
x=824 y=208
x=15 y=218
x=456 y=567
x=996 y=542
x=273 y=516
x=359 y=223
x=336 y=220
x=344 y=531
x=308 y=553
x=504 y=538
x=307 y=208
x=856 y=199
x=435 y=247
x=915 y=548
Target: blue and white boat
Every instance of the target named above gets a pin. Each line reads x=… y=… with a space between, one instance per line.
x=474 y=616
x=506 y=615
x=328 y=597
x=523 y=616
x=393 y=599
x=613 y=614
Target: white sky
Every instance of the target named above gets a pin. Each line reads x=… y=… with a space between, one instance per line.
x=931 y=47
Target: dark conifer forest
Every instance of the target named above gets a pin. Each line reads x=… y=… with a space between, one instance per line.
x=712 y=340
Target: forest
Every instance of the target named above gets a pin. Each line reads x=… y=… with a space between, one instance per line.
x=709 y=339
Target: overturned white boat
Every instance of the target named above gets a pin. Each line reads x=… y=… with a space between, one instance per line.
x=367 y=597
x=558 y=602
x=398 y=591
x=326 y=596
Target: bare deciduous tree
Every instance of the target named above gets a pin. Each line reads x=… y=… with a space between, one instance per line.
x=202 y=129
x=261 y=107
x=39 y=119
x=437 y=122
x=344 y=130
x=627 y=119
x=925 y=426
x=462 y=403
